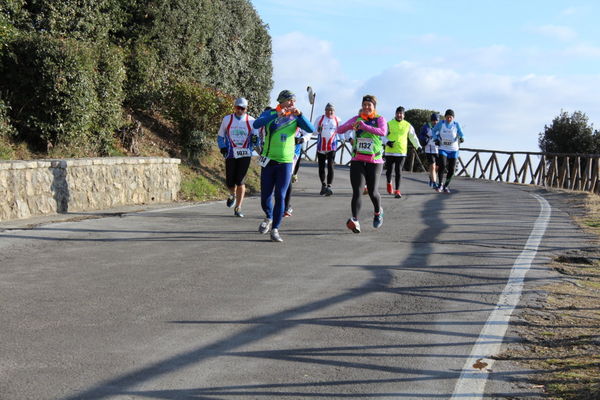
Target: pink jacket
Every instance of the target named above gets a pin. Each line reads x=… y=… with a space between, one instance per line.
x=380 y=130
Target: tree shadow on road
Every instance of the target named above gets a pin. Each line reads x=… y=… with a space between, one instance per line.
x=382 y=281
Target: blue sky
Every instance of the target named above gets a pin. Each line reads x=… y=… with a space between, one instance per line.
x=506 y=68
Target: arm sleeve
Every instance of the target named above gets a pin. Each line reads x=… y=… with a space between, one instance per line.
x=412 y=136
x=423 y=131
x=346 y=126
x=305 y=124
x=459 y=131
x=264 y=119
x=221 y=139
x=435 y=132
x=380 y=130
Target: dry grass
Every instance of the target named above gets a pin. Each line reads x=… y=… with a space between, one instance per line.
x=563 y=337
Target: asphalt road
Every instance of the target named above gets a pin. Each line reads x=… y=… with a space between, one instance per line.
x=189 y=302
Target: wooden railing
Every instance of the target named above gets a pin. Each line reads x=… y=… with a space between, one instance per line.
x=557 y=170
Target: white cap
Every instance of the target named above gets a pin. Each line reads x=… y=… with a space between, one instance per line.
x=241 y=102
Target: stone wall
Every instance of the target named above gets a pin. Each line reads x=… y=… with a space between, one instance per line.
x=42 y=187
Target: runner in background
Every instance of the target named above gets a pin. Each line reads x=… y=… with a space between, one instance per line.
x=431 y=150
x=327 y=143
x=236 y=139
x=277 y=158
x=400 y=132
x=367 y=162
x=447 y=135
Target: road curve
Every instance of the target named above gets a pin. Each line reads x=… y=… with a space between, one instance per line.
x=189 y=302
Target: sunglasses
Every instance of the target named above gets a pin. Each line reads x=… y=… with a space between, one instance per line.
x=240 y=108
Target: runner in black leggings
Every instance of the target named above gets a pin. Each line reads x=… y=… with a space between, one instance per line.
x=367 y=160
x=327 y=144
x=361 y=173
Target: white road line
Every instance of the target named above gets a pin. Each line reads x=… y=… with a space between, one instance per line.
x=471 y=384
x=159 y=210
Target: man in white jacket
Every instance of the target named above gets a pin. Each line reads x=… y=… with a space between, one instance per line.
x=327 y=142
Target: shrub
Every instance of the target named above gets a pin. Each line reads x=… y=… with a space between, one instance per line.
x=7 y=130
x=63 y=90
x=88 y=20
x=198 y=110
x=110 y=78
x=147 y=81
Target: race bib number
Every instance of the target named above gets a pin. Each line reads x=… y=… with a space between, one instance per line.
x=263 y=161
x=364 y=145
x=447 y=142
x=239 y=152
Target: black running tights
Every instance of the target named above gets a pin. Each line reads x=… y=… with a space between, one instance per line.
x=448 y=164
x=398 y=163
x=326 y=158
x=361 y=172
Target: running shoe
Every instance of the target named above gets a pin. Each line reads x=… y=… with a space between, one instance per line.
x=353 y=225
x=288 y=212
x=230 y=201
x=328 y=191
x=446 y=190
x=366 y=190
x=238 y=212
x=323 y=190
x=390 y=188
x=265 y=226
x=378 y=219
x=397 y=194
x=275 y=236
x=438 y=189
x=294 y=178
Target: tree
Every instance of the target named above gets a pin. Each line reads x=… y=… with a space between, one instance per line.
x=418 y=117
x=570 y=134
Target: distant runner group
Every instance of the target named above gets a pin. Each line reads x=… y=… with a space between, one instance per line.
x=279 y=133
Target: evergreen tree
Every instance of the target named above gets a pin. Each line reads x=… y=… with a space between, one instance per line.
x=570 y=134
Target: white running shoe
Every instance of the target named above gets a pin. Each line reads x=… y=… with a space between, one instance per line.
x=353 y=225
x=265 y=226
x=275 y=236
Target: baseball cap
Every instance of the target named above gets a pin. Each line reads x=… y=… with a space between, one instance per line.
x=241 y=102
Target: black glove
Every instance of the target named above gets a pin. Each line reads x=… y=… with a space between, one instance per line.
x=299 y=140
x=437 y=142
x=390 y=144
x=461 y=140
x=223 y=151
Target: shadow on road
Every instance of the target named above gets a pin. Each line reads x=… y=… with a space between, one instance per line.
x=381 y=281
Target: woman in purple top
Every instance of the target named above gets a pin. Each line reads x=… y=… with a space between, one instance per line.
x=367 y=159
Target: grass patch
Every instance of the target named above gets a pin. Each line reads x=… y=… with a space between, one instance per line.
x=562 y=337
x=198 y=188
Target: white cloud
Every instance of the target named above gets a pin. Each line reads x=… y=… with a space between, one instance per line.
x=431 y=39
x=559 y=32
x=300 y=61
x=570 y=11
x=497 y=111
x=583 y=50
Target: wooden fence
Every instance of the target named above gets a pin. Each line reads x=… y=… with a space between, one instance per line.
x=556 y=170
